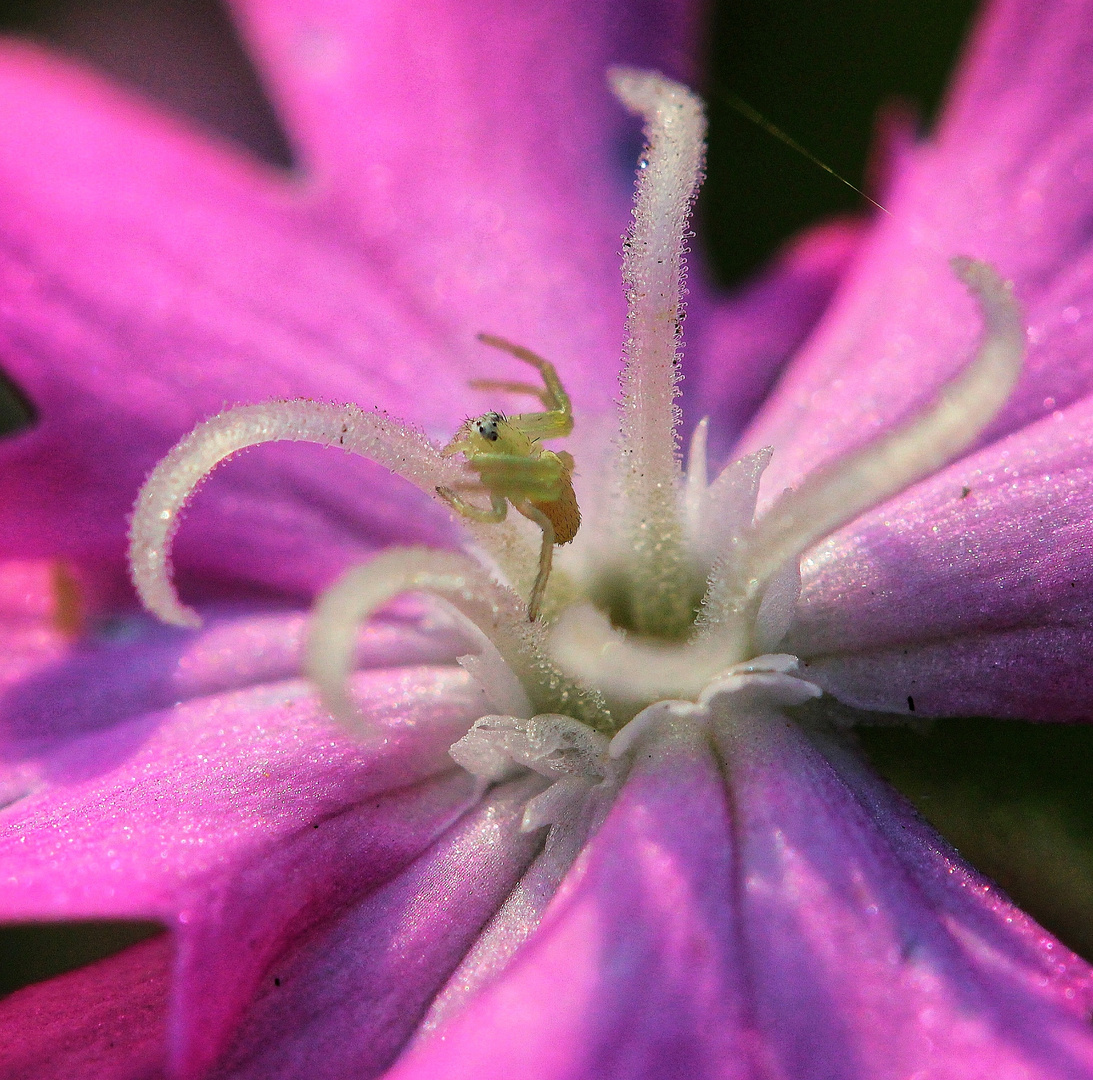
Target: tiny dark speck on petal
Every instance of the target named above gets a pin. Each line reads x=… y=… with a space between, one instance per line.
x=276 y=981
x=910 y=703
x=965 y=492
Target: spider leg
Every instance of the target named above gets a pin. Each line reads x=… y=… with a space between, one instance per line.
x=546 y=554
x=538 y=479
x=514 y=388
x=554 y=398
x=498 y=507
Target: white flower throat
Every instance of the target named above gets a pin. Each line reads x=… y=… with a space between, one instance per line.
x=671 y=595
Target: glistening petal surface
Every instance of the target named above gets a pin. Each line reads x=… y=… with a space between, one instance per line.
x=1008 y=180
x=971 y=592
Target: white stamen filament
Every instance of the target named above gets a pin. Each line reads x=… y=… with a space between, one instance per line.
x=457 y=579
x=596 y=653
x=396 y=446
x=864 y=478
x=653 y=273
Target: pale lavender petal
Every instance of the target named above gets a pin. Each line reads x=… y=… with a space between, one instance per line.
x=634 y=970
x=55 y=687
x=736 y=349
x=345 y=1000
x=211 y=818
x=873 y=955
x=1008 y=180
x=971 y=593
x=104 y=1022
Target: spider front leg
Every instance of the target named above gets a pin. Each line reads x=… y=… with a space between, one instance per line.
x=546 y=554
x=557 y=421
x=493 y=516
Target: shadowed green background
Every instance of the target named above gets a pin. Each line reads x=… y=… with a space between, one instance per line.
x=1012 y=797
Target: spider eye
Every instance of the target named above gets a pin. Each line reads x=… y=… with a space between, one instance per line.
x=487 y=426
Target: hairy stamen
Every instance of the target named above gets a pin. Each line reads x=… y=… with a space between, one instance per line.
x=457 y=579
x=653 y=272
x=864 y=478
x=588 y=647
x=396 y=446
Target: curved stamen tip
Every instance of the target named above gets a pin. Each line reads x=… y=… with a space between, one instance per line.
x=908 y=452
x=528 y=679
x=395 y=445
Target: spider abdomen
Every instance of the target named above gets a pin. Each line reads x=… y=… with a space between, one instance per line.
x=563 y=512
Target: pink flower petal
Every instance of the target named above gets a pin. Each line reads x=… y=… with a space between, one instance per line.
x=128 y=819
x=344 y=1001
x=139 y=298
x=213 y=817
x=1009 y=179
x=56 y=687
x=872 y=951
x=862 y=946
x=969 y=593
x=474 y=152
x=634 y=970
x=737 y=347
x=103 y=1022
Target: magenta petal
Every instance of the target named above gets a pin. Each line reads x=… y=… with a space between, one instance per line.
x=56 y=689
x=474 y=152
x=874 y=953
x=136 y=305
x=737 y=346
x=343 y=1001
x=232 y=930
x=1009 y=179
x=216 y=816
x=139 y=300
x=103 y=1022
x=971 y=592
x=633 y=971
x=132 y=819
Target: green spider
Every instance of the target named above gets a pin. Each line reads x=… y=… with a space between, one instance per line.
x=514 y=468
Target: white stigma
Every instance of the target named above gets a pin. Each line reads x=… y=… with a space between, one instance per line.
x=653 y=272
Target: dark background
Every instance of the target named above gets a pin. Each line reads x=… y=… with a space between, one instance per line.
x=1014 y=798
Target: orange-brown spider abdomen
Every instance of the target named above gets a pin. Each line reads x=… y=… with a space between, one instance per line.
x=563 y=512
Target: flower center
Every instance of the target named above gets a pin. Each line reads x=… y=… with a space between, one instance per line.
x=672 y=593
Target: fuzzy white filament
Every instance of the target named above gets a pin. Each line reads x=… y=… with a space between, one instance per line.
x=462 y=583
x=731 y=629
x=653 y=273
x=864 y=478
x=393 y=444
